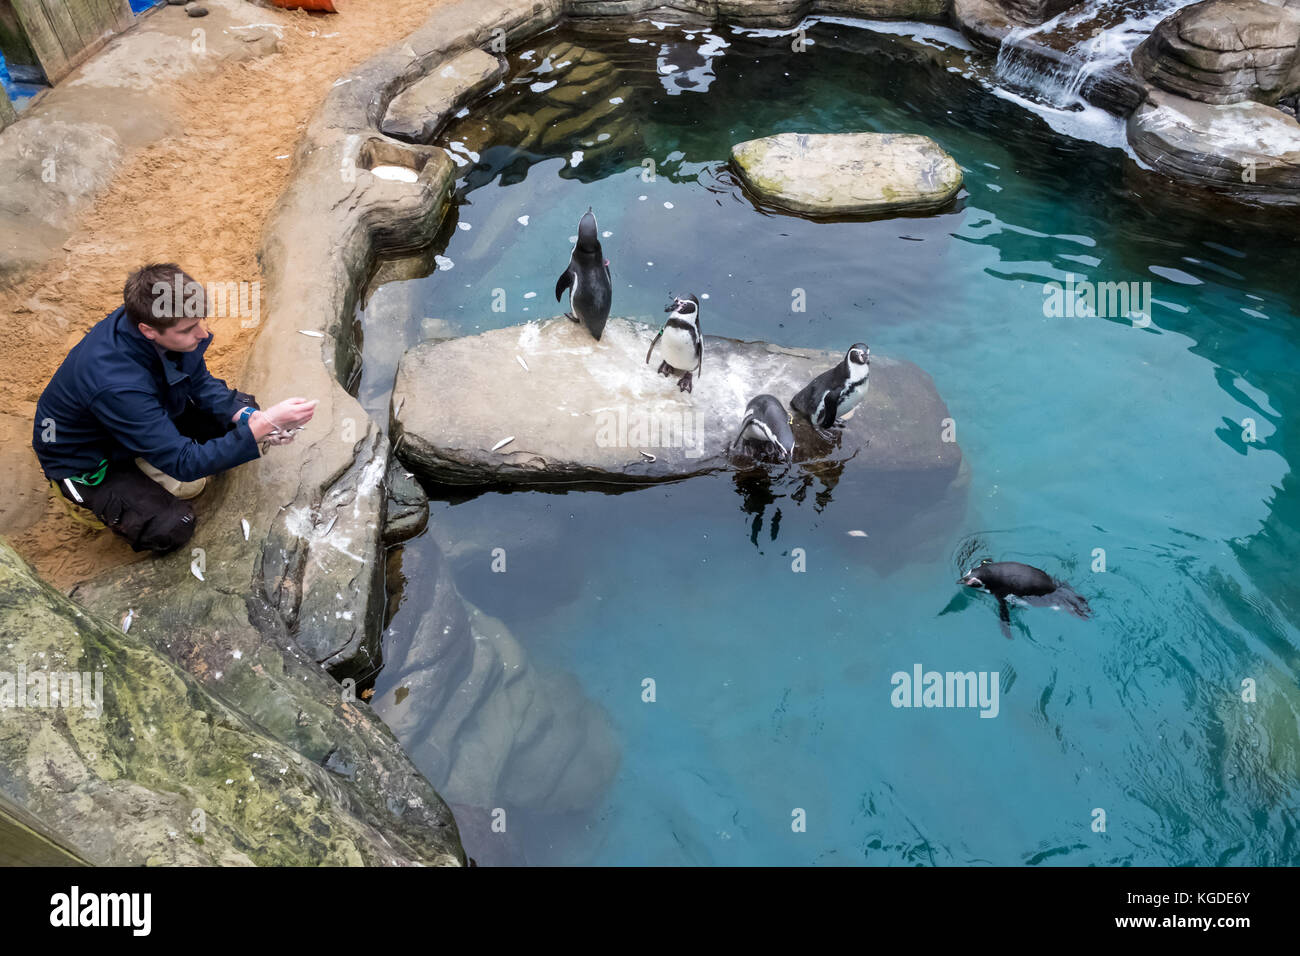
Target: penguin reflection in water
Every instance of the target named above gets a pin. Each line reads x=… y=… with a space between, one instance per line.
x=835 y=392
x=587 y=279
x=683 y=345
x=1023 y=584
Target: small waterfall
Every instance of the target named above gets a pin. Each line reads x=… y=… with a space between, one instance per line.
x=1052 y=61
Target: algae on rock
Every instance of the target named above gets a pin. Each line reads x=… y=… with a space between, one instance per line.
x=151 y=768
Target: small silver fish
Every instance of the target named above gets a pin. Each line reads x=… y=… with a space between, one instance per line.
x=520 y=360
x=243 y=523
x=857 y=534
x=126 y=621
x=648 y=457
x=330 y=527
x=315 y=335
x=503 y=442
x=194 y=570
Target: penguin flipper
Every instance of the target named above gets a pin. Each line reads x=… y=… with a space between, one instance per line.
x=1004 y=616
x=830 y=406
x=652 y=346
x=565 y=281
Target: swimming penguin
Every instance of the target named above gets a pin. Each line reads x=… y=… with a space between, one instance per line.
x=834 y=393
x=683 y=348
x=1011 y=579
x=767 y=426
x=587 y=279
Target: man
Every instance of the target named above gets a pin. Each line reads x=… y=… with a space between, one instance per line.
x=133 y=414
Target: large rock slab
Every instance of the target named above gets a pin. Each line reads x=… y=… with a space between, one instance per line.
x=848 y=174
x=1247 y=149
x=477 y=716
x=137 y=763
x=1225 y=51
x=588 y=411
x=418 y=112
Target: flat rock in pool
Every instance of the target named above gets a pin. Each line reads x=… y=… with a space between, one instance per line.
x=1247 y=148
x=848 y=174
x=418 y=112
x=586 y=411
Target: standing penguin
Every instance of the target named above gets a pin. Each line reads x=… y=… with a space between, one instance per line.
x=767 y=425
x=834 y=393
x=683 y=348
x=587 y=279
x=1025 y=583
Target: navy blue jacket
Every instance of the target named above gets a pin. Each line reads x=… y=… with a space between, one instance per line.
x=115 y=397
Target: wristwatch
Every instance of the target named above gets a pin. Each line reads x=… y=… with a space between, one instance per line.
x=245 y=414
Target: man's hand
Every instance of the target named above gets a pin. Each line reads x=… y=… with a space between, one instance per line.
x=290 y=414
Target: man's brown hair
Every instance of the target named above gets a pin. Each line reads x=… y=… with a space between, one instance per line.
x=162 y=294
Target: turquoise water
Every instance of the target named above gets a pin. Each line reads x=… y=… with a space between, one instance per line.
x=774 y=687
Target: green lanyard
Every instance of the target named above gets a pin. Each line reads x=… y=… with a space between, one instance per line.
x=92 y=477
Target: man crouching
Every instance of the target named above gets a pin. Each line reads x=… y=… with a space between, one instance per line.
x=133 y=422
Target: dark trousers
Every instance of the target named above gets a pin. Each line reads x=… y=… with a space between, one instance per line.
x=139 y=509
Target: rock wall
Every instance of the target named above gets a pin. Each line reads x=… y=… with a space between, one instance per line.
x=151 y=768
x=761 y=13
x=1225 y=51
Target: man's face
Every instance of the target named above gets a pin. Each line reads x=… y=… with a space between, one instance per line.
x=185 y=336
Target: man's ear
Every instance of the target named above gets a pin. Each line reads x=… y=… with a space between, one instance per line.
x=148 y=331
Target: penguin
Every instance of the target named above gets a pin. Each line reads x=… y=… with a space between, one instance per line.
x=587 y=279
x=767 y=425
x=834 y=393
x=1027 y=584
x=683 y=348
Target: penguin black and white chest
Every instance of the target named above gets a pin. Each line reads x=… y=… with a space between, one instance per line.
x=682 y=345
x=587 y=279
x=834 y=393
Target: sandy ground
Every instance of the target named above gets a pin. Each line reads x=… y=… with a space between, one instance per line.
x=199 y=199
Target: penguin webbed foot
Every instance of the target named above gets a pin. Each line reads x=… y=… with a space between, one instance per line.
x=665 y=368
x=685 y=384
x=570 y=316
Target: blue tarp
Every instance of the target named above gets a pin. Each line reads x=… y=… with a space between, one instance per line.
x=20 y=93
